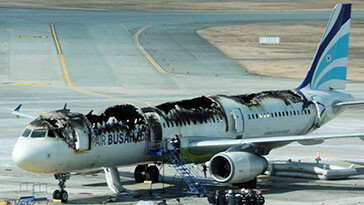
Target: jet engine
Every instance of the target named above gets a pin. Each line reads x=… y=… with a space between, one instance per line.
x=236 y=167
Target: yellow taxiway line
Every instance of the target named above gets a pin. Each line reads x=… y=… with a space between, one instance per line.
x=145 y=53
x=66 y=75
x=152 y=61
x=29 y=62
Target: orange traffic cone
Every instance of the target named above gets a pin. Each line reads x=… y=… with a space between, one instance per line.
x=318 y=158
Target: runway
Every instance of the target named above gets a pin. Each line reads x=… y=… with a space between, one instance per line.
x=94 y=59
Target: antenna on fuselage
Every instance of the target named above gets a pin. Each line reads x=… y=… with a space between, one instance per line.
x=65 y=106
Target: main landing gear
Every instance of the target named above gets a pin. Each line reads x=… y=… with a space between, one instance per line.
x=145 y=172
x=60 y=193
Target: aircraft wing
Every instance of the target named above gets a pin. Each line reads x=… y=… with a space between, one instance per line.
x=18 y=113
x=205 y=146
x=349 y=104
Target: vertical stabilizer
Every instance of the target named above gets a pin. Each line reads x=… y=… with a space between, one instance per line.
x=328 y=67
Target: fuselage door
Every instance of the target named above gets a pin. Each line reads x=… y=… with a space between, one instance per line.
x=239 y=120
x=82 y=143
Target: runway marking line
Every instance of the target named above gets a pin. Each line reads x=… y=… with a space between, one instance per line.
x=66 y=75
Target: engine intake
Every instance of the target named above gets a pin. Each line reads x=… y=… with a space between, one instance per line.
x=236 y=167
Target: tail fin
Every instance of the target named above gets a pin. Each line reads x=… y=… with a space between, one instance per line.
x=328 y=67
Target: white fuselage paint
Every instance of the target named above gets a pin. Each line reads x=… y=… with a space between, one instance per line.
x=53 y=155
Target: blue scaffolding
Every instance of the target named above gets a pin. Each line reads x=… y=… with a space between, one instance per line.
x=187 y=171
x=30 y=193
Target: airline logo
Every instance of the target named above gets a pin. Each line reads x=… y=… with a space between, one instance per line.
x=117 y=138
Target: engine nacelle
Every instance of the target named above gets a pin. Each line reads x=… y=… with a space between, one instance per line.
x=236 y=167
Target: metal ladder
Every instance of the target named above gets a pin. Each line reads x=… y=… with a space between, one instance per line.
x=188 y=173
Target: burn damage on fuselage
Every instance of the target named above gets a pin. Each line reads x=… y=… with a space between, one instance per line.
x=136 y=124
x=196 y=110
x=125 y=118
x=255 y=99
x=64 y=123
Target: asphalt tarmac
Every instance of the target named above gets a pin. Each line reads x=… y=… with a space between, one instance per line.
x=94 y=59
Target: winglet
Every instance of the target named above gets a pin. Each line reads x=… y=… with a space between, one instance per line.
x=17 y=109
x=17 y=112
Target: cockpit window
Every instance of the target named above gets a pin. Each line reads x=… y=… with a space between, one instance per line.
x=51 y=134
x=26 y=133
x=38 y=133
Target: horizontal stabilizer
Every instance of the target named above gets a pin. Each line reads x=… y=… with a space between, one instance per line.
x=349 y=104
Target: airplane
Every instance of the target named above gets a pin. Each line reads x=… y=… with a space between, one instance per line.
x=234 y=132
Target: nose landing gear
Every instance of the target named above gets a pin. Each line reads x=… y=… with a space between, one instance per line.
x=61 y=193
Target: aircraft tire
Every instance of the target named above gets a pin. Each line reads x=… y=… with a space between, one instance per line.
x=64 y=196
x=153 y=172
x=139 y=173
x=56 y=194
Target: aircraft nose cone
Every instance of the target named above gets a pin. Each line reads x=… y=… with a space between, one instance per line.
x=23 y=157
x=19 y=157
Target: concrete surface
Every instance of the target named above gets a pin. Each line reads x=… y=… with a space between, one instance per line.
x=100 y=54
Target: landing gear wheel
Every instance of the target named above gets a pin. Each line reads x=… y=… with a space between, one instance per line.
x=139 y=173
x=64 y=196
x=153 y=172
x=60 y=193
x=56 y=194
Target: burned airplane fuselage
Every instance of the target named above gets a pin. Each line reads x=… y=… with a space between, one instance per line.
x=122 y=134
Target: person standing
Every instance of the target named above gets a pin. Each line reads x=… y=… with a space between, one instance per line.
x=211 y=197
x=239 y=198
x=251 y=198
x=204 y=169
x=176 y=142
x=220 y=198
x=230 y=198
x=260 y=198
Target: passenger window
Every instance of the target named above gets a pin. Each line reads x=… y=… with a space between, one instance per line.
x=164 y=126
x=256 y=115
x=275 y=114
x=249 y=117
x=279 y=114
x=38 y=133
x=283 y=114
x=309 y=112
x=290 y=112
x=298 y=112
x=26 y=133
x=271 y=115
x=287 y=114
x=51 y=134
x=294 y=112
